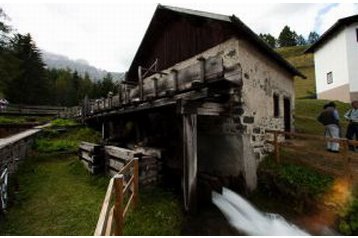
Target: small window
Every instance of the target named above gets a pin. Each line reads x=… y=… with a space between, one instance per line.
x=329 y=78
x=357 y=34
x=276 y=105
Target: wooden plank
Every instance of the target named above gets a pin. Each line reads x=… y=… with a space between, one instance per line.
x=90 y=147
x=126 y=167
x=85 y=155
x=128 y=184
x=136 y=182
x=118 y=165
x=187 y=75
x=109 y=226
x=151 y=151
x=118 y=152
x=102 y=221
x=210 y=109
x=129 y=203
x=214 y=67
x=118 y=205
x=202 y=69
x=190 y=161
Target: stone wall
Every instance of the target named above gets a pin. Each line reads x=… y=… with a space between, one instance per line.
x=13 y=149
x=233 y=145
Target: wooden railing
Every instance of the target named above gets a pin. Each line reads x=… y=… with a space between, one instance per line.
x=120 y=196
x=32 y=110
x=344 y=157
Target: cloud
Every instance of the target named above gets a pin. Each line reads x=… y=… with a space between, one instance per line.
x=336 y=11
x=107 y=35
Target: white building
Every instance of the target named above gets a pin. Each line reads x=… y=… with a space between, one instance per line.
x=336 y=61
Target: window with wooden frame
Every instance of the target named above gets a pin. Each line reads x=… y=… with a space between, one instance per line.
x=329 y=78
x=276 y=105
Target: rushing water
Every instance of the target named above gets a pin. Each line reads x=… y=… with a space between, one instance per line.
x=245 y=218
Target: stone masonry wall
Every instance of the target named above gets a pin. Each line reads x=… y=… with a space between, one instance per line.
x=234 y=145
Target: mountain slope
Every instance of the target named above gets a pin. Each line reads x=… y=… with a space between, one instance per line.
x=304 y=88
x=81 y=66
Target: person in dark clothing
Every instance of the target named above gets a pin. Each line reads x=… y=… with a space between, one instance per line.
x=352 y=130
x=330 y=119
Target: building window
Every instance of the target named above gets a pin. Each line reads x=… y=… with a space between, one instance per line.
x=357 y=34
x=329 y=78
x=276 y=105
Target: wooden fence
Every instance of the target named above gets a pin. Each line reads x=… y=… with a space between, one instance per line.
x=32 y=110
x=91 y=156
x=345 y=157
x=122 y=193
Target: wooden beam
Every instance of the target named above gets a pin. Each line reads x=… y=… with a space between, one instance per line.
x=140 y=81
x=118 y=205
x=202 y=69
x=190 y=161
x=174 y=78
x=155 y=86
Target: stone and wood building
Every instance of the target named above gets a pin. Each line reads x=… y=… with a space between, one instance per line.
x=202 y=89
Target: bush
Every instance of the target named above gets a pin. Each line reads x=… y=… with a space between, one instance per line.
x=348 y=222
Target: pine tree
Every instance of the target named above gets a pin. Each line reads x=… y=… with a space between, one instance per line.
x=301 y=40
x=30 y=86
x=269 y=39
x=313 y=37
x=287 y=37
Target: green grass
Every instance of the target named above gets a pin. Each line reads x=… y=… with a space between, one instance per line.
x=63 y=123
x=56 y=197
x=304 y=88
x=54 y=140
x=307 y=111
x=302 y=177
x=22 y=119
x=159 y=213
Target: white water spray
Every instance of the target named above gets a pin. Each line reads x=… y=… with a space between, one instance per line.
x=245 y=218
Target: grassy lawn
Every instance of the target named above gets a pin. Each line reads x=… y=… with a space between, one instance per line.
x=55 y=195
x=307 y=111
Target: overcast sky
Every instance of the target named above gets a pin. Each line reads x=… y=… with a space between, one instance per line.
x=106 y=33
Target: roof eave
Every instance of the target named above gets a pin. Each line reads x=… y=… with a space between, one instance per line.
x=279 y=59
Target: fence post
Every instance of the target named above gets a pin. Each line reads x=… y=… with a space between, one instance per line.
x=136 y=183
x=277 y=147
x=118 y=204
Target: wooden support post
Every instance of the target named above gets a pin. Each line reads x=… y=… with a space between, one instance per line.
x=190 y=161
x=277 y=147
x=97 y=102
x=140 y=85
x=135 y=183
x=104 y=131
x=120 y=99
x=118 y=205
x=174 y=74
x=155 y=86
x=128 y=94
x=202 y=69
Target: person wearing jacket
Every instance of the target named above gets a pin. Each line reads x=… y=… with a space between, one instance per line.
x=352 y=117
x=329 y=117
